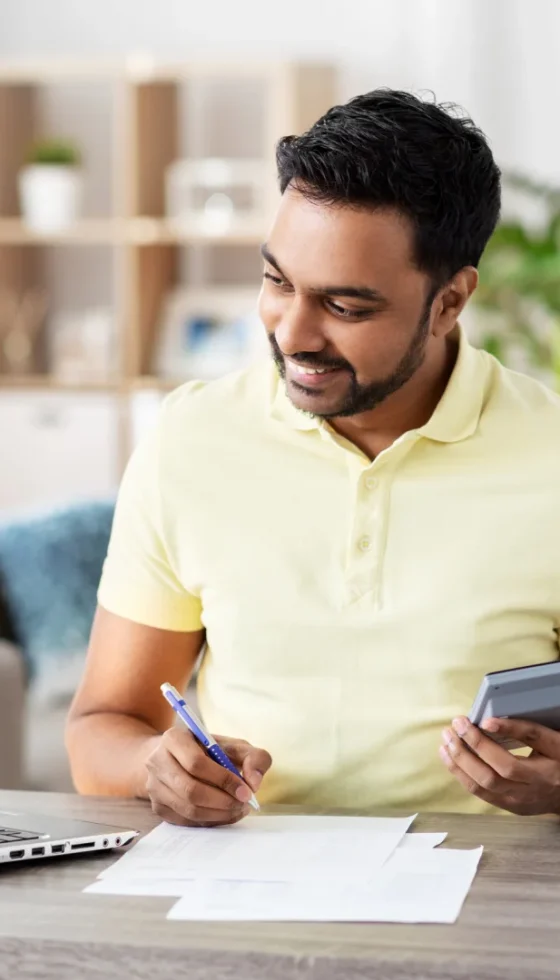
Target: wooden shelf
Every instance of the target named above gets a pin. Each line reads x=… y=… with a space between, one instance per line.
x=138 y=68
x=146 y=381
x=89 y=231
x=45 y=382
x=135 y=231
x=158 y=231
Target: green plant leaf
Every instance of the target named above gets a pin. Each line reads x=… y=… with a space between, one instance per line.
x=54 y=152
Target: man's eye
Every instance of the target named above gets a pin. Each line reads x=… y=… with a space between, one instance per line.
x=277 y=280
x=347 y=314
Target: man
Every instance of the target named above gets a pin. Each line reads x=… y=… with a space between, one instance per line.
x=358 y=531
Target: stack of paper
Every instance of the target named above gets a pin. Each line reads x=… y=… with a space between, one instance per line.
x=298 y=868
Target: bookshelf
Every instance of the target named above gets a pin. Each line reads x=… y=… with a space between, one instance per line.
x=148 y=105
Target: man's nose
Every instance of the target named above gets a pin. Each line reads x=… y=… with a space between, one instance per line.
x=299 y=328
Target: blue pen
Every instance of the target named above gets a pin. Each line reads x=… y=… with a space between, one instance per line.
x=194 y=724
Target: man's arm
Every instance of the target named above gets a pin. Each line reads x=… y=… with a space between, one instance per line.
x=118 y=713
x=119 y=737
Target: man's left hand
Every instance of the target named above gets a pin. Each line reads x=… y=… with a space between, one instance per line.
x=522 y=785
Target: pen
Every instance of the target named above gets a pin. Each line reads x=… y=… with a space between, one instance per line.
x=196 y=727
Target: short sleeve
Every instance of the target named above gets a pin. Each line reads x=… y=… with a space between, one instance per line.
x=138 y=582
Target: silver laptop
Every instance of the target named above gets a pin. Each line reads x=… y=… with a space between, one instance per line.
x=28 y=836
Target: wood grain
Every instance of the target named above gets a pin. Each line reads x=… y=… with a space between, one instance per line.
x=509 y=926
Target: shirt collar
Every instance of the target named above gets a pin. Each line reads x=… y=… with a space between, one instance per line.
x=455 y=417
x=458 y=411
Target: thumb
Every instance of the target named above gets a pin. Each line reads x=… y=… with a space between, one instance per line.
x=252 y=762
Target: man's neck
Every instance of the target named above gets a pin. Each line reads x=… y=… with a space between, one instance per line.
x=409 y=408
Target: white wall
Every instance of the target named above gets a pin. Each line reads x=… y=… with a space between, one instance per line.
x=497 y=57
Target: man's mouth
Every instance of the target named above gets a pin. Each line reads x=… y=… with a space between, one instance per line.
x=307 y=376
x=301 y=369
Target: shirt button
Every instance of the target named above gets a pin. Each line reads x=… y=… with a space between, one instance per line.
x=364 y=543
x=371 y=483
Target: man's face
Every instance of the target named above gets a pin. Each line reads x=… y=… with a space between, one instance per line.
x=346 y=311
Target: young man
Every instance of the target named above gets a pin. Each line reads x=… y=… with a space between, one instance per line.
x=359 y=530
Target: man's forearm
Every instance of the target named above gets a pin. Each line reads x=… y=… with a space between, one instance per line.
x=108 y=753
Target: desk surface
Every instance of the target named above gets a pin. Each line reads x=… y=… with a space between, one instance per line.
x=509 y=926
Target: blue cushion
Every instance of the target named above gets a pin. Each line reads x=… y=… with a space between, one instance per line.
x=50 y=566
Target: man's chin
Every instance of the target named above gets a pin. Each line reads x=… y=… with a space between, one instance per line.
x=314 y=403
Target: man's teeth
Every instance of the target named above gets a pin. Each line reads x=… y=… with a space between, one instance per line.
x=305 y=370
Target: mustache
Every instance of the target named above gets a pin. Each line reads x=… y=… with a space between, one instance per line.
x=309 y=359
x=318 y=362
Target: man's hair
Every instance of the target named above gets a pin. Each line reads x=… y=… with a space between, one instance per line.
x=390 y=149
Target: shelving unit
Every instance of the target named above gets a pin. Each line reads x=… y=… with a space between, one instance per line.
x=149 y=103
x=47 y=422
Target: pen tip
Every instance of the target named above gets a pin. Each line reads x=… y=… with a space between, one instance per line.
x=254 y=802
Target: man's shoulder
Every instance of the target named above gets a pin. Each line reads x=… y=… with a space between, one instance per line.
x=518 y=399
x=244 y=397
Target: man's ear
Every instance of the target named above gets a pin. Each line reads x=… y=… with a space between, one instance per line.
x=452 y=299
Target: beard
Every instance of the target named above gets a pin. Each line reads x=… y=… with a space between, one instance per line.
x=364 y=397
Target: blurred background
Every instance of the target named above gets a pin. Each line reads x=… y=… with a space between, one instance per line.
x=136 y=182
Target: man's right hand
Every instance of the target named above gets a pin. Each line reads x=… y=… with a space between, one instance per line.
x=187 y=787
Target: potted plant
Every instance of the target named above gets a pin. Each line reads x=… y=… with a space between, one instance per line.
x=50 y=186
x=518 y=298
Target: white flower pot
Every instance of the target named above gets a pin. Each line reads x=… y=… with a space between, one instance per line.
x=50 y=196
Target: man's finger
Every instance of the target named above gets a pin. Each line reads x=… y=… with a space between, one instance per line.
x=192 y=757
x=479 y=774
x=470 y=784
x=252 y=762
x=173 y=809
x=185 y=787
x=496 y=756
x=543 y=740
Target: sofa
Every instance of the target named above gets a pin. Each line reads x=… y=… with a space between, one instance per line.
x=50 y=563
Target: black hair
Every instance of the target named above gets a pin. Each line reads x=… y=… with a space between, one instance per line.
x=390 y=149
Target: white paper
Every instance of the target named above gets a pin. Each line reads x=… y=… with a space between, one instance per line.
x=416 y=885
x=266 y=848
x=121 y=885
x=422 y=840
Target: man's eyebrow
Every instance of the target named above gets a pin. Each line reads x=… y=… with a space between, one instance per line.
x=268 y=257
x=351 y=292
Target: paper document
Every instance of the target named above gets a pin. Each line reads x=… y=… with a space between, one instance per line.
x=175 y=887
x=307 y=869
x=422 y=840
x=416 y=884
x=267 y=848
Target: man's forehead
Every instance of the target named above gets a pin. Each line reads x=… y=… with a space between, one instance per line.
x=310 y=237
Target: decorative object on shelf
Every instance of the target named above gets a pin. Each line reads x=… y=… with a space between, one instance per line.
x=214 y=196
x=81 y=345
x=516 y=313
x=21 y=318
x=50 y=187
x=205 y=332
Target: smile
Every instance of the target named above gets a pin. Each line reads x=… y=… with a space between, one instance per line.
x=309 y=378
x=305 y=370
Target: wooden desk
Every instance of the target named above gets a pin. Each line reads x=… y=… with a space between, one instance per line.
x=509 y=927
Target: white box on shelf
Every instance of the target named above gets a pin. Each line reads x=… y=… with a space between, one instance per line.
x=215 y=196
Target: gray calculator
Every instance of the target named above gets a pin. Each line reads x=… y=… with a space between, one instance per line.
x=528 y=693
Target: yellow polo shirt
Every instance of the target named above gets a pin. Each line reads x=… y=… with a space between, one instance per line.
x=351 y=607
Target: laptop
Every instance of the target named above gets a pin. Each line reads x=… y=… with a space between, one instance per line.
x=27 y=836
